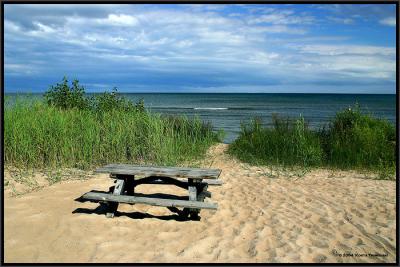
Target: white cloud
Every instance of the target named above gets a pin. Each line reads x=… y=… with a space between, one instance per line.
x=263 y=57
x=193 y=41
x=282 y=17
x=120 y=20
x=10 y=26
x=389 y=21
x=205 y=6
x=341 y=20
x=14 y=68
x=44 y=28
x=355 y=61
x=184 y=44
x=332 y=50
x=278 y=29
x=361 y=65
x=227 y=37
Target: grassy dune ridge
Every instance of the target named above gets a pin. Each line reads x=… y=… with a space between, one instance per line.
x=69 y=129
x=351 y=140
x=41 y=135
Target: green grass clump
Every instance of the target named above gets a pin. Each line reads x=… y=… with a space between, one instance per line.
x=351 y=140
x=289 y=142
x=40 y=134
x=359 y=141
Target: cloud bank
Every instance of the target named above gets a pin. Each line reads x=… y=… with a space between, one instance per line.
x=201 y=48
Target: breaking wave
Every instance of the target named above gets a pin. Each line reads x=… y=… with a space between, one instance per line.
x=210 y=108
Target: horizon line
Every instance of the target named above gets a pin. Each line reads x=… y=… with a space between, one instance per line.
x=100 y=92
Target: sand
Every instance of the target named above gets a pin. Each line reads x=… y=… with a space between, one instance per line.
x=324 y=216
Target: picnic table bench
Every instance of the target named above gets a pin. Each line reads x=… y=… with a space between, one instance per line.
x=195 y=180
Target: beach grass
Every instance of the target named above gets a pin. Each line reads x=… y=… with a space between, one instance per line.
x=69 y=130
x=287 y=143
x=39 y=135
x=354 y=140
x=351 y=141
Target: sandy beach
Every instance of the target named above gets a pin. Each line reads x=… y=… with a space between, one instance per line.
x=323 y=216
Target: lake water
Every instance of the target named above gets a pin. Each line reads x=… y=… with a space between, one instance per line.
x=227 y=111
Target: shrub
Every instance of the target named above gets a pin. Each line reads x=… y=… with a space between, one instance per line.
x=63 y=96
x=110 y=101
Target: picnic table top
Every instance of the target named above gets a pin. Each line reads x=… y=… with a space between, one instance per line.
x=173 y=172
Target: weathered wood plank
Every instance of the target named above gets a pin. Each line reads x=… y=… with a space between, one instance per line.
x=214 y=182
x=113 y=206
x=153 y=180
x=173 y=172
x=151 y=201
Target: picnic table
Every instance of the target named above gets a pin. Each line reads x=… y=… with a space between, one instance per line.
x=195 y=180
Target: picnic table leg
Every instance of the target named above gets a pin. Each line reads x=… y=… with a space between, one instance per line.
x=118 y=189
x=129 y=188
x=194 y=213
x=202 y=192
x=130 y=185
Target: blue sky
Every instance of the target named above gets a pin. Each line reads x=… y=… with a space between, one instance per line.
x=285 y=48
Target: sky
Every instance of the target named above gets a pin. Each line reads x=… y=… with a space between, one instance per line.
x=254 y=48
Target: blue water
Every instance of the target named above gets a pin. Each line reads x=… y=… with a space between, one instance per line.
x=227 y=111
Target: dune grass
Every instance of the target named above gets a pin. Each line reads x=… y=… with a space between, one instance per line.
x=70 y=130
x=287 y=143
x=38 y=135
x=351 y=140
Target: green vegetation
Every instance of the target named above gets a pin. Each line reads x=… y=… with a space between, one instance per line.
x=287 y=143
x=352 y=140
x=65 y=97
x=69 y=130
x=356 y=140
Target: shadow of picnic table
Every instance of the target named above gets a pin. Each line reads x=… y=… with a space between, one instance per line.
x=103 y=207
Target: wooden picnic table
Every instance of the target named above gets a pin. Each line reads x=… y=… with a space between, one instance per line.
x=195 y=180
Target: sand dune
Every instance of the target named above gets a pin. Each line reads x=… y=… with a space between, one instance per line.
x=261 y=218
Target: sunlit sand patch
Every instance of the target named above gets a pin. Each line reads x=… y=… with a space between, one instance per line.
x=317 y=218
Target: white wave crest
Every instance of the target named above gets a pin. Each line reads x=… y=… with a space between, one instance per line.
x=210 y=108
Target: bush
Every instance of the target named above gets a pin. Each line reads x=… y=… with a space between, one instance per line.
x=110 y=101
x=64 y=96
